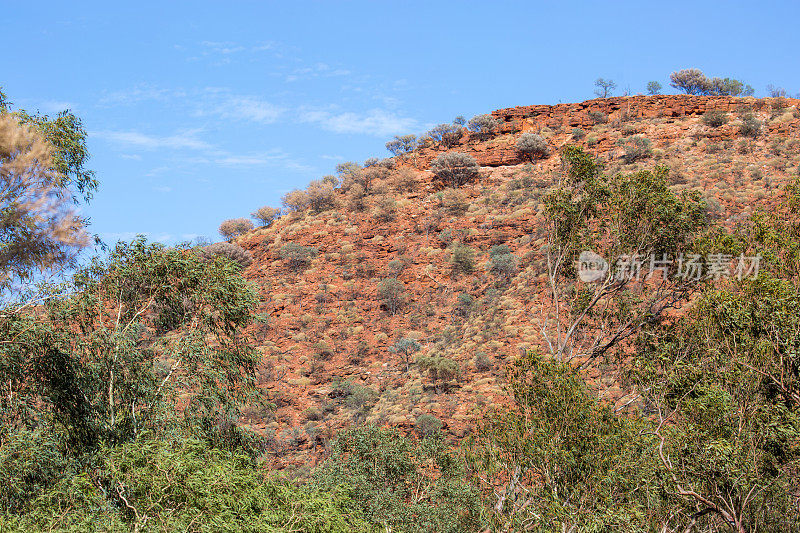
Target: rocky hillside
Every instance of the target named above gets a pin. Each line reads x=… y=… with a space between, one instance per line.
x=332 y=322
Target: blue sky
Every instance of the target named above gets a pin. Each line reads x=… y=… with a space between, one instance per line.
x=202 y=111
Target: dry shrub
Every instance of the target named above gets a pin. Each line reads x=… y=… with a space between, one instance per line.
x=234 y=227
x=40 y=228
x=230 y=251
x=266 y=215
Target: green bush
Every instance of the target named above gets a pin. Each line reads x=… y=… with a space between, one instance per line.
x=182 y=485
x=715 y=119
x=483 y=125
x=455 y=169
x=751 y=126
x=234 y=227
x=578 y=134
x=401 y=485
x=266 y=215
x=636 y=148
x=533 y=145
x=462 y=258
x=402 y=144
x=231 y=252
x=391 y=293
x=297 y=255
x=428 y=425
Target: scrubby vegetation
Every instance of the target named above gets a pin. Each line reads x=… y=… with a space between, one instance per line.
x=422 y=351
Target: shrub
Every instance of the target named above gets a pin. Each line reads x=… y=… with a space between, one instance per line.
x=386 y=210
x=499 y=249
x=321 y=195
x=533 y=145
x=323 y=350
x=403 y=180
x=402 y=144
x=455 y=168
x=361 y=398
x=636 y=148
x=750 y=126
x=230 y=251
x=715 y=119
x=483 y=124
x=605 y=88
x=504 y=265
x=440 y=369
x=693 y=81
x=463 y=258
x=653 y=87
x=234 y=227
x=400 y=484
x=598 y=117
x=464 y=303
x=299 y=256
x=266 y=215
x=396 y=266
x=428 y=425
x=453 y=201
x=406 y=347
x=578 y=134
x=446 y=135
x=390 y=292
x=690 y=81
x=295 y=200
x=482 y=362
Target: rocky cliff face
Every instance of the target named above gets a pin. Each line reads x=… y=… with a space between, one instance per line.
x=328 y=340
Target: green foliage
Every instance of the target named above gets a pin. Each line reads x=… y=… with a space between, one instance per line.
x=462 y=258
x=693 y=81
x=750 y=126
x=297 y=255
x=637 y=147
x=455 y=169
x=401 y=485
x=440 y=369
x=725 y=383
x=578 y=134
x=556 y=460
x=234 y=227
x=391 y=293
x=65 y=132
x=653 y=87
x=715 y=119
x=89 y=363
x=533 y=145
x=182 y=485
x=428 y=425
x=232 y=252
x=402 y=144
x=406 y=347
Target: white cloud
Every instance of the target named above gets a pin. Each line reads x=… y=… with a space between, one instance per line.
x=186 y=140
x=377 y=122
x=162 y=188
x=248 y=108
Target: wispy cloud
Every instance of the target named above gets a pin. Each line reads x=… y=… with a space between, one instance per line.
x=271 y=158
x=247 y=108
x=186 y=140
x=140 y=93
x=377 y=122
